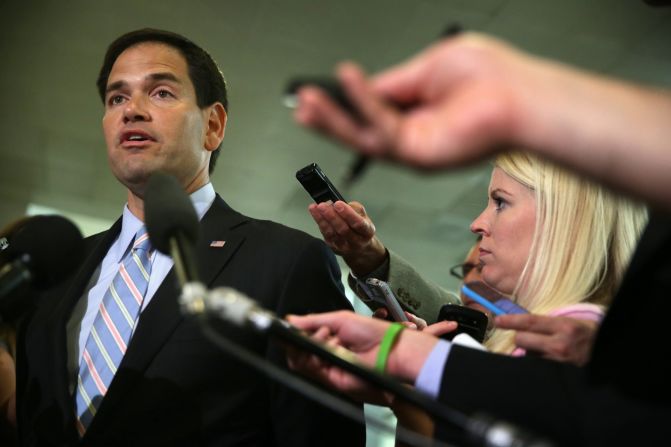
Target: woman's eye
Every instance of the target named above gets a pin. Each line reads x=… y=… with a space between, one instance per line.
x=500 y=203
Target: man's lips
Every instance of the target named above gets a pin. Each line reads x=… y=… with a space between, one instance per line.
x=135 y=138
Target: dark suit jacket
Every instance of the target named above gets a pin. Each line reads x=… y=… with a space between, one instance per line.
x=173 y=386
x=623 y=395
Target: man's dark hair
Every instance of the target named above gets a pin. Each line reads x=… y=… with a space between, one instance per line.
x=207 y=79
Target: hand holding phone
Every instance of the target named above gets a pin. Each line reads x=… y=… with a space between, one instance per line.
x=329 y=85
x=380 y=292
x=471 y=321
x=333 y=88
x=317 y=184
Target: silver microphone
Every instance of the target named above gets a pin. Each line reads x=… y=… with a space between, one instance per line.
x=228 y=304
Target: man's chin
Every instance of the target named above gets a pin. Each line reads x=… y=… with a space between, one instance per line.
x=135 y=180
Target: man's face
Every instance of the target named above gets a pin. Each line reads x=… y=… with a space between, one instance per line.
x=152 y=121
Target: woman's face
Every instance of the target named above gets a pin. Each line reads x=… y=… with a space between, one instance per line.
x=507 y=228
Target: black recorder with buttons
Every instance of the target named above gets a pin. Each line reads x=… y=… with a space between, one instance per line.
x=317 y=184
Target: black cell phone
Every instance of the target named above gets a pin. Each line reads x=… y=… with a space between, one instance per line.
x=471 y=321
x=317 y=184
x=331 y=86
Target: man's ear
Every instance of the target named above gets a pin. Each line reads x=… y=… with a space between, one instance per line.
x=216 y=125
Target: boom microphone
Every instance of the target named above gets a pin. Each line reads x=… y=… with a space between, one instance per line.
x=43 y=251
x=236 y=308
x=172 y=223
x=6 y=233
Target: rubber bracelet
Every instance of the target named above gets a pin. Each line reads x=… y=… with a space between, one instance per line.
x=390 y=336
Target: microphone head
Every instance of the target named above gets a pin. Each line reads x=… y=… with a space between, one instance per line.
x=51 y=247
x=168 y=211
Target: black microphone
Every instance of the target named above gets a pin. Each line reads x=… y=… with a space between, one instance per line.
x=41 y=252
x=6 y=233
x=172 y=224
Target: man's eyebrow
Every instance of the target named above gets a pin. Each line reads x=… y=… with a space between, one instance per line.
x=162 y=76
x=115 y=86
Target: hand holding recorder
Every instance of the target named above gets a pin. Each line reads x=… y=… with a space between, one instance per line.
x=346 y=227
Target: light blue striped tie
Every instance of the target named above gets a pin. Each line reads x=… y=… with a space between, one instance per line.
x=112 y=329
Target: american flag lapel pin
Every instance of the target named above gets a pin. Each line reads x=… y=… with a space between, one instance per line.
x=217 y=244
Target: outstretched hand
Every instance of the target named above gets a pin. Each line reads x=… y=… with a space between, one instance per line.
x=452 y=104
x=417 y=323
x=558 y=338
x=350 y=233
x=361 y=336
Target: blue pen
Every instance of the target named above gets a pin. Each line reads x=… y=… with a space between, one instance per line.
x=483 y=302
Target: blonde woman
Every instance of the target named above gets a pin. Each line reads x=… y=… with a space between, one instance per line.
x=557 y=243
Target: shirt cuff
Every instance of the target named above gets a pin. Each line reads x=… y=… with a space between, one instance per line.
x=381 y=271
x=431 y=375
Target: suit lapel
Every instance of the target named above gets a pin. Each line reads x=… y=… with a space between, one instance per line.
x=58 y=321
x=218 y=226
x=162 y=315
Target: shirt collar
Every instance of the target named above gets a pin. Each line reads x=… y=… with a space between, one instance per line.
x=202 y=200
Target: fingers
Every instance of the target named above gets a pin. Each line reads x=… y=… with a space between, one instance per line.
x=322 y=334
x=532 y=341
x=354 y=215
x=317 y=111
x=414 y=323
x=528 y=322
x=456 y=130
x=325 y=227
x=553 y=347
x=381 y=313
x=342 y=218
x=420 y=323
x=440 y=328
x=343 y=228
x=402 y=83
x=313 y=322
x=558 y=338
x=382 y=117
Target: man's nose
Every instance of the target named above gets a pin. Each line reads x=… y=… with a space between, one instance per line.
x=136 y=110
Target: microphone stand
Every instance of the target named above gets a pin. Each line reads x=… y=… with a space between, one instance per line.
x=308 y=389
x=234 y=307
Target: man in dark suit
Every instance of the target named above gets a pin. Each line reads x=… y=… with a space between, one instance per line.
x=165 y=109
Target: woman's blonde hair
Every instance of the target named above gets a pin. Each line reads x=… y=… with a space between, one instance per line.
x=582 y=243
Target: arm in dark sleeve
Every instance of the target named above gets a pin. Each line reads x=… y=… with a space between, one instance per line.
x=551 y=399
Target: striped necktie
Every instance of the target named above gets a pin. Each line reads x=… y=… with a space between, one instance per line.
x=112 y=329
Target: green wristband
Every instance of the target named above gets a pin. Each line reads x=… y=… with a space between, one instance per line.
x=390 y=336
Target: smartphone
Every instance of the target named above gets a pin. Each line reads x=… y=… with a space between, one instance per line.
x=317 y=184
x=329 y=85
x=491 y=299
x=471 y=321
x=380 y=292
